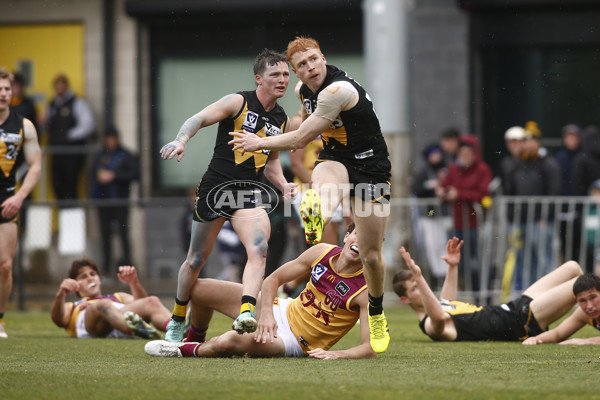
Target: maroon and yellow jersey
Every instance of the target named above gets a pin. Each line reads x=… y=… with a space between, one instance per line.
x=11 y=154
x=321 y=314
x=79 y=306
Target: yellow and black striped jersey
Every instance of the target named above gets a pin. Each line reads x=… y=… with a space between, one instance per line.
x=354 y=131
x=227 y=165
x=12 y=137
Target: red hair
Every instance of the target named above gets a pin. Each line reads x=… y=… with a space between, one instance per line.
x=301 y=43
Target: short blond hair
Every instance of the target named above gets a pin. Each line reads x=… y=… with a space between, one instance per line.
x=300 y=43
x=6 y=74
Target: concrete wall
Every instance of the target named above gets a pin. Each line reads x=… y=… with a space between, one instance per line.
x=439 y=74
x=89 y=13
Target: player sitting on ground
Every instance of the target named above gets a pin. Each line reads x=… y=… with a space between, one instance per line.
x=119 y=315
x=330 y=305
x=542 y=303
x=587 y=294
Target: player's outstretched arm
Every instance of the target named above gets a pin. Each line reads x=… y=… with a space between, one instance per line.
x=452 y=258
x=582 y=341
x=431 y=303
x=308 y=131
x=267 y=327
x=225 y=107
x=569 y=326
x=364 y=350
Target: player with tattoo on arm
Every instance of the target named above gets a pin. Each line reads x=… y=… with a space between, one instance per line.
x=234 y=175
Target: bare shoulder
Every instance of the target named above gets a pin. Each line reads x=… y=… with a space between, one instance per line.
x=232 y=100
x=29 y=129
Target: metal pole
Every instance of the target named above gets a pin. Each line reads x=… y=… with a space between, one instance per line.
x=19 y=262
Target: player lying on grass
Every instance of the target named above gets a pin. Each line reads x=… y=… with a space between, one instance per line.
x=542 y=303
x=119 y=315
x=587 y=294
x=329 y=306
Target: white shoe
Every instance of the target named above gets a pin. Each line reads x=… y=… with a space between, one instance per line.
x=3 y=334
x=162 y=348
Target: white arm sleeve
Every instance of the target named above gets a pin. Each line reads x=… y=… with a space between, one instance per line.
x=333 y=99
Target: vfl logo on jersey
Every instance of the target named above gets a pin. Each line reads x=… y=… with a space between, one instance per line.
x=308 y=106
x=342 y=288
x=318 y=271
x=10 y=137
x=272 y=130
x=250 y=121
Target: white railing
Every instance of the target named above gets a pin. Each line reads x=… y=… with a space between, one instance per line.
x=538 y=233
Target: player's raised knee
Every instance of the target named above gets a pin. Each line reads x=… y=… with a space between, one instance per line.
x=195 y=260
x=370 y=259
x=573 y=267
x=153 y=301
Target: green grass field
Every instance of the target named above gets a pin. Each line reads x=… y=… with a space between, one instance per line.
x=39 y=361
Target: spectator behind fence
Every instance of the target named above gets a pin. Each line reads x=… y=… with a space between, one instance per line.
x=20 y=102
x=430 y=176
x=465 y=186
x=513 y=138
x=431 y=227
x=571 y=136
x=586 y=165
x=586 y=171
x=70 y=123
x=592 y=230
x=570 y=215
x=536 y=174
x=112 y=172
x=449 y=141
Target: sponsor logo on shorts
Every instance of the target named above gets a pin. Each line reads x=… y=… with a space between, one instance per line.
x=228 y=197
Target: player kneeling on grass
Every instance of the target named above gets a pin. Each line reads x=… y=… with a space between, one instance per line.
x=541 y=304
x=119 y=315
x=329 y=306
x=587 y=294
